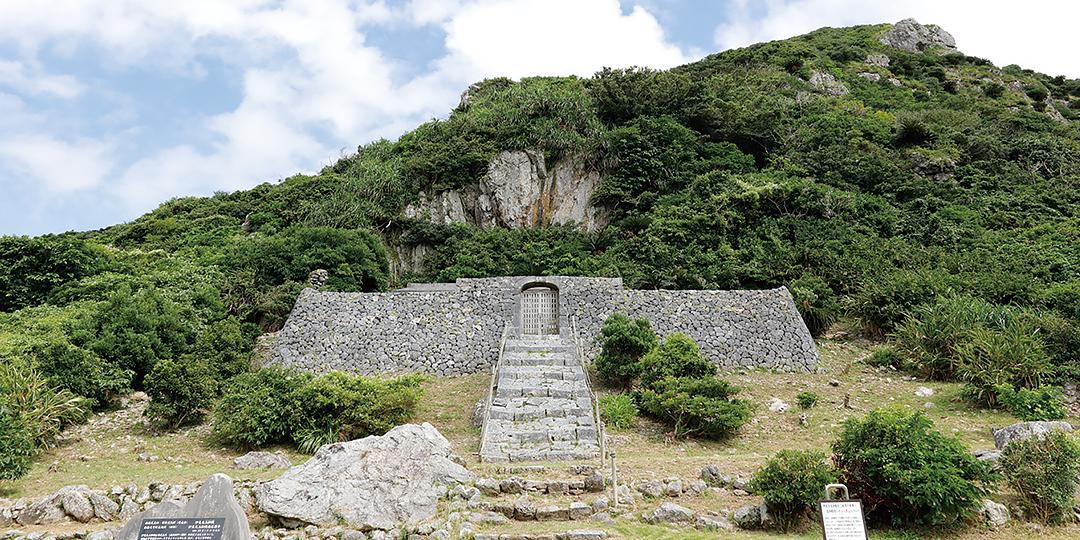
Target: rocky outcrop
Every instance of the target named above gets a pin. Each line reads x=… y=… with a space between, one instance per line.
x=1026 y=430
x=993 y=514
x=520 y=190
x=911 y=36
x=828 y=84
x=214 y=499
x=374 y=483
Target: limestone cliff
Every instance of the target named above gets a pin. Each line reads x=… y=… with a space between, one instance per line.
x=520 y=190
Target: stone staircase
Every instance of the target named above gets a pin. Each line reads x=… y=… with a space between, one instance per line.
x=541 y=404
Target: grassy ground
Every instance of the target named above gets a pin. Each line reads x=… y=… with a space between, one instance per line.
x=104 y=452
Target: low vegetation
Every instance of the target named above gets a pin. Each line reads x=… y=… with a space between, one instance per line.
x=1043 y=471
x=792 y=483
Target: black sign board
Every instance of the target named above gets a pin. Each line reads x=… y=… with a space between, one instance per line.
x=842 y=520
x=182 y=529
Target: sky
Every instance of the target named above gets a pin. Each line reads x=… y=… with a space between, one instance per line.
x=110 y=107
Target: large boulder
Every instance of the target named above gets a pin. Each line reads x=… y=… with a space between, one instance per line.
x=911 y=36
x=214 y=499
x=670 y=513
x=1025 y=430
x=51 y=508
x=378 y=482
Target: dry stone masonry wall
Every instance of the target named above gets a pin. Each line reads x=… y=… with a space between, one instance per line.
x=455 y=328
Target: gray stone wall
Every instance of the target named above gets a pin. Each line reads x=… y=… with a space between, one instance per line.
x=450 y=329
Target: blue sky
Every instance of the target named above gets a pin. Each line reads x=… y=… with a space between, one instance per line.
x=109 y=108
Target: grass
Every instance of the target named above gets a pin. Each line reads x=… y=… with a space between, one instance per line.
x=104 y=452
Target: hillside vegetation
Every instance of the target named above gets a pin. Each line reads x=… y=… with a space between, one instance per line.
x=894 y=205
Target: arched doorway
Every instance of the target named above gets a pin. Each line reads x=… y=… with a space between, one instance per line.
x=539 y=309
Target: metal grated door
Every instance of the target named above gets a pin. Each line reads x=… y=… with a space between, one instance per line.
x=540 y=311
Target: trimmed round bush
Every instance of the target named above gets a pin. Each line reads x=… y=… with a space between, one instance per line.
x=678 y=356
x=623 y=341
x=906 y=473
x=1043 y=471
x=699 y=407
x=792 y=482
x=806 y=400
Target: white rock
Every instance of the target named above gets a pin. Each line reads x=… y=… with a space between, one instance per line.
x=778 y=405
x=923 y=391
x=378 y=482
x=995 y=514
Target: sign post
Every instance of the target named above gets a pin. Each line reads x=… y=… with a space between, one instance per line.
x=841 y=519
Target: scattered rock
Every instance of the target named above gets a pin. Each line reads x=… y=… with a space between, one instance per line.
x=670 y=512
x=923 y=391
x=478 y=413
x=673 y=487
x=603 y=517
x=147 y=458
x=697 y=487
x=911 y=36
x=778 y=405
x=488 y=517
x=552 y=513
x=712 y=476
x=378 y=482
x=583 y=534
x=825 y=82
x=262 y=460
x=994 y=514
x=834 y=382
x=870 y=76
x=77 y=505
x=488 y=486
x=712 y=522
x=895 y=82
x=105 y=508
x=1025 y=430
x=752 y=516
x=650 y=488
x=878 y=60
x=600 y=504
x=579 y=510
x=524 y=509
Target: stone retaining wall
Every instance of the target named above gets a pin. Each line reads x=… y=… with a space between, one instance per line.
x=452 y=329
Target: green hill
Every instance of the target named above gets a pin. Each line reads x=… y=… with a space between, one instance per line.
x=872 y=187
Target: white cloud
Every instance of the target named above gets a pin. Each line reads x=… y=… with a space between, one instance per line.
x=61 y=166
x=1035 y=35
x=16 y=76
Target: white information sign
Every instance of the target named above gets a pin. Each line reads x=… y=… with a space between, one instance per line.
x=842 y=520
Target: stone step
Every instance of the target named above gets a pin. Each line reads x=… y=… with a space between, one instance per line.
x=563 y=372
x=547 y=514
x=542 y=430
x=532 y=408
x=534 y=453
x=512 y=388
x=522 y=359
x=528 y=347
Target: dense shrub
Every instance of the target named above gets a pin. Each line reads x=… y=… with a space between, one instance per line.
x=341 y=407
x=699 y=407
x=907 y=473
x=623 y=341
x=181 y=391
x=816 y=302
x=1043 y=403
x=885 y=357
x=254 y=407
x=792 y=482
x=17 y=448
x=677 y=357
x=886 y=300
x=618 y=411
x=1013 y=356
x=1043 y=471
x=31 y=268
x=280 y=405
x=80 y=371
x=806 y=400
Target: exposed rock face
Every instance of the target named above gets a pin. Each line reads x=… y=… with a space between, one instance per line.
x=262 y=460
x=911 y=36
x=378 y=482
x=828 y=84
x=215 y=499
x=519 y=191
x=1026 y=430
x=878 y=60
